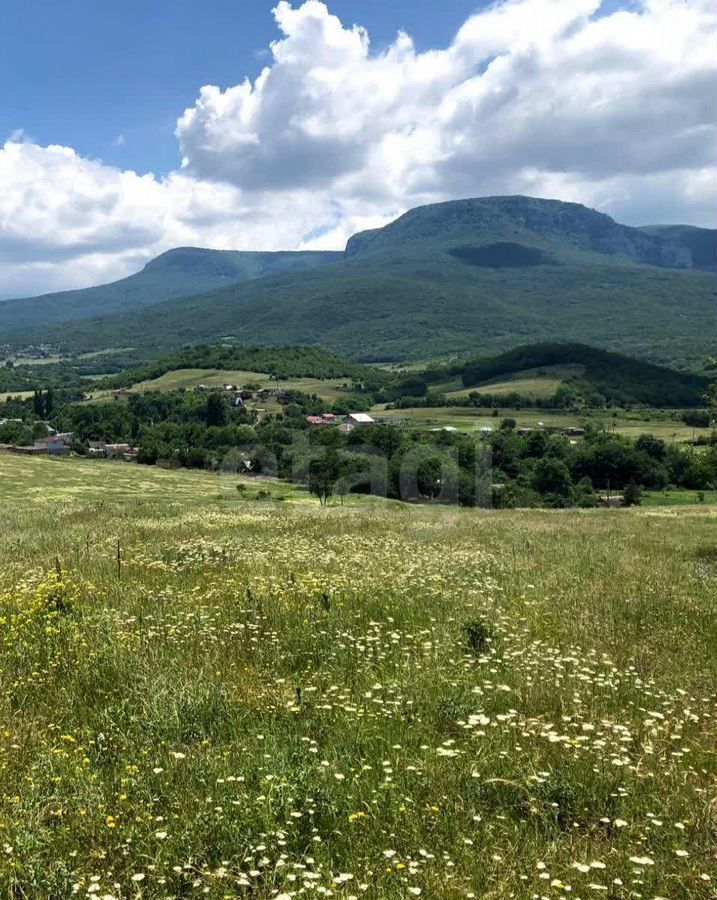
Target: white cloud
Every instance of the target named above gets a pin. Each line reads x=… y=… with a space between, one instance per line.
x=545 y=97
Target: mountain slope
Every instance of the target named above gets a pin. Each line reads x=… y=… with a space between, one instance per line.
x=177 y=273
x=701 y=242
x=453 y=278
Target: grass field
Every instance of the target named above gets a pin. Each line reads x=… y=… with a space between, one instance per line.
x=678 y=498
x=280 y=700
x=21 y=395
x=190 y=378
x=539 y=383
x=470 y=418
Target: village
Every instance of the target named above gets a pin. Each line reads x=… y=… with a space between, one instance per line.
x=59 y=444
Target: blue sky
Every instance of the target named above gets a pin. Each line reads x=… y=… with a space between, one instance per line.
x=82 y=72
x=114 y=146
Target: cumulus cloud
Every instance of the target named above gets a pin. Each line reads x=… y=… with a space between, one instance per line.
x=544 y=97
x=528 y=88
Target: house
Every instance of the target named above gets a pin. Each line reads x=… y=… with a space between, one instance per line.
x=112 y=451
x=485 y=430
x=360 y=420
x=55 y=444
x=120 y=451
x=524 y=430
x=121 y=392
x=324 y=419
x=355 y=420
x=574 y=431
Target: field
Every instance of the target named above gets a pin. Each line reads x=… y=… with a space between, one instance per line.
x=20 y=395
x=677 y=498
x=190 y=378
x=278 y=700
x=539 y=383
x=470 y=418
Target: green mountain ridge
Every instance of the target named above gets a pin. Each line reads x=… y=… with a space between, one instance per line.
x=180 y=272
x=458 y=277
x=520 y=219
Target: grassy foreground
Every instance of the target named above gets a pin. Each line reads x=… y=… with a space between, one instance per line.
x=279 y=700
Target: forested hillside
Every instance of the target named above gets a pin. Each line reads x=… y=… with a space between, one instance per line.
x=455 y=277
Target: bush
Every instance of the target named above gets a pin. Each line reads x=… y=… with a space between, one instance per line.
x=632 y=495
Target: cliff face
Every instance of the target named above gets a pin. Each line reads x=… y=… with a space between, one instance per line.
x=510 y=218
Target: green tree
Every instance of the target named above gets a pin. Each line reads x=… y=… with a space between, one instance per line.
x=711 y=395
x=323 y=474
x=552 y=476
x=216 y=413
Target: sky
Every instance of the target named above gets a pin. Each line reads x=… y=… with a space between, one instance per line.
x=129 y=128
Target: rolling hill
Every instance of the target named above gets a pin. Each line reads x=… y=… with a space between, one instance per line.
x=615 y=377
x=458 y=277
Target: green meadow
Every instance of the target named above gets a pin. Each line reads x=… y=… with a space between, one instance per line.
x=208 y=693
x=628 y=424
x=188 y=379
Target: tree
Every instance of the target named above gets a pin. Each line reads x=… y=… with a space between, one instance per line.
x=552 y=476
x=323 y=473
x=651 y=445
x=216 y=414
x=711 y=395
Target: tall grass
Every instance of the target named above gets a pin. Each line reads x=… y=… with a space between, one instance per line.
x=282 y=700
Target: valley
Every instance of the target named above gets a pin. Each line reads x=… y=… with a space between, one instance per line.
x=358 y=450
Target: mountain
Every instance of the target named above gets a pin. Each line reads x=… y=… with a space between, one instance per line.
x=504 y=229
x=701 y=242
x=177 y=273
x=463 y=276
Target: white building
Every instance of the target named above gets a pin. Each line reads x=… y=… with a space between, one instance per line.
x=360 y=419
